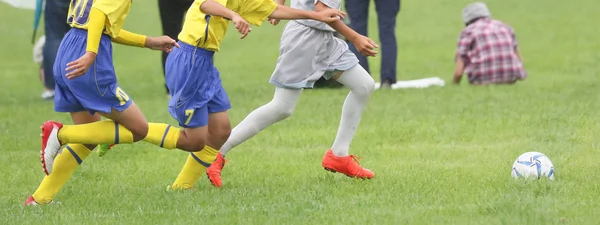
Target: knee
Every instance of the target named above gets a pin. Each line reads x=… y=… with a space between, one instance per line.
x=191 y=144
x=284 y=111
x=219 y=135
x=366 y=89
x=139 y=132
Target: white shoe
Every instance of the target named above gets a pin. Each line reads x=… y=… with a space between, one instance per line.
x=50 y=145
x=47 y=95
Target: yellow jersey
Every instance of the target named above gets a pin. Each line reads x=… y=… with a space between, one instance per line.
x=115 y=11
x=207 y=32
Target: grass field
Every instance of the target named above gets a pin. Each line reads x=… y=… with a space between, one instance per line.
x=441 y=155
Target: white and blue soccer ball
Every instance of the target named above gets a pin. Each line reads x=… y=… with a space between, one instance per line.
x=533 y=165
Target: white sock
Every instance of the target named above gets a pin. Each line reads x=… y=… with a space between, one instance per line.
x=281 y=107
x=361 y=86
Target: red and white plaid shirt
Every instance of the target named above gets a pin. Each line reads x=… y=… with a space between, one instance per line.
x=489 y=50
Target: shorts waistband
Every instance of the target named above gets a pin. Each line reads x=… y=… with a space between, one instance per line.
x=79 y=31
x=199 y=51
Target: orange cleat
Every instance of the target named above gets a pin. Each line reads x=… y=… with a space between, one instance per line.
x=347 y=165
x=214 y=171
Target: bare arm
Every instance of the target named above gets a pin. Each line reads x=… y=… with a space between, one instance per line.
x=518 y=55
x=338 y=25
x=286 y=13
x=210 y=7
x=276 y=21
x=213 y=8
x=363 y=44
x=459 y=70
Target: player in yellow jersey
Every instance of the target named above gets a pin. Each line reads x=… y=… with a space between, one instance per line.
x=199 y=101
x=87 y=85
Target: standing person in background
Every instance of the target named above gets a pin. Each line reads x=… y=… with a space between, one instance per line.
x=55 y=28
x=387 y=11
x=171 y=17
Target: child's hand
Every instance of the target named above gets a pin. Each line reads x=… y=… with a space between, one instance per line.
x=162 y=43
x=241 y=25
x=273 y=21
x=365 y=45
x=330 y=15
x=81 y=65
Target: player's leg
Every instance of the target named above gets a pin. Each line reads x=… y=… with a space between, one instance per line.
x=97 y=91
x=337 y=159
x=64 y=164
x=290 y=77
x=279 y=108
x=219 y=129
x=197 y=163
x=64 y=101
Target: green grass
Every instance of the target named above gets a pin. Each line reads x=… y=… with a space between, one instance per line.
x=441 y=155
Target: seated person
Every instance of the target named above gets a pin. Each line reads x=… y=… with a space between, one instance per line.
x=487 y=49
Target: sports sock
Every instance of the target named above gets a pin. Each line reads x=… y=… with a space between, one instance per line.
x=281 y=107
x=194 y=167
x=361 y=86
x=163 y=135
x=65 y=163
x=101 y=132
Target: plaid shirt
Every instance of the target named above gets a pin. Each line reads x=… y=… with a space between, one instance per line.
x=488 y=48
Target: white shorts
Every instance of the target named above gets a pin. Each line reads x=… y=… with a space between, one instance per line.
x=306 y=54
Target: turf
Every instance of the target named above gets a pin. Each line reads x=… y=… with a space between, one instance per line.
x=441 y=155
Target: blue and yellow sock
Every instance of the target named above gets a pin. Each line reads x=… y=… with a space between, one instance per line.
x=101 y=132
x=65 y=164
x=163 y=135
x=194 y=167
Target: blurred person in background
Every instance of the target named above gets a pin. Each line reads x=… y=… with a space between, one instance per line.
x=487 y=49
x=172 y=13
x=387 y=11
x=55 y=28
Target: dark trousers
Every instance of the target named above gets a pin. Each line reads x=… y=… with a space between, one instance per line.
x=172 y=13
x=387 y=10
x=55 y=28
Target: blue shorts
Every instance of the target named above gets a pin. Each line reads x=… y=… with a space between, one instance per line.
x=195 y=86
x=95 y=91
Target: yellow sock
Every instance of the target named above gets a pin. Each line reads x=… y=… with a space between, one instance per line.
x=102 y=132
x=64 y=165
x=194 y=167
x=163 y=135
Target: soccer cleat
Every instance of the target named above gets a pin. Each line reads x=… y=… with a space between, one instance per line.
x=31 y=202
x=213 y=172
x=103 y=149
x=50 y=144
x=347 y=165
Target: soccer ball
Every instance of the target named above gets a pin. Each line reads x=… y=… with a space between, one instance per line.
x=533 y=165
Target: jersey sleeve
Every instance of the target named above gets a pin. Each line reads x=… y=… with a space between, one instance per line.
x=257 y=11
x=115 y=11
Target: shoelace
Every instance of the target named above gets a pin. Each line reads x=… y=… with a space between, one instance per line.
x=356 y=158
